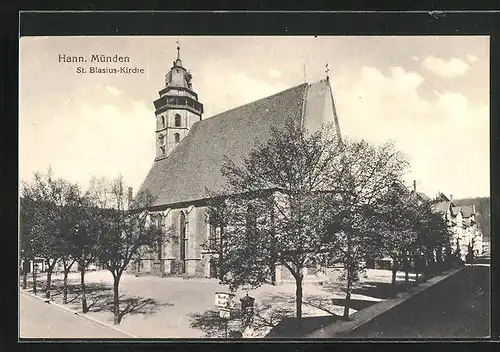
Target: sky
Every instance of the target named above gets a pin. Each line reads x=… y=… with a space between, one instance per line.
x=428 y=94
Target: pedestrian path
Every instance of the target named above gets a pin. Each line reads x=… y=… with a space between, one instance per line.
x=42 y=320
x=366 y=315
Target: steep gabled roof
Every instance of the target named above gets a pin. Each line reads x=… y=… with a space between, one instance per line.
x=194 y=165
x=467 y=210
x=455 y=211
x=441 y=206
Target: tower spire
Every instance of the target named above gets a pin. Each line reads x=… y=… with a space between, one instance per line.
x=178 y=50
x=327 y=70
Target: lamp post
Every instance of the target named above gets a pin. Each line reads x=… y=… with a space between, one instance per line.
x=35 y=269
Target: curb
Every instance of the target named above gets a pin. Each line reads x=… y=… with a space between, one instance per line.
x=46 y=300
x=339 y=328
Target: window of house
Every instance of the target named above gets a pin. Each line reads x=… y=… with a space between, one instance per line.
x=177 y=120
x=177 y=138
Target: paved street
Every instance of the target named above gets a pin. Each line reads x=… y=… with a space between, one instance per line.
x=456 y=307
x=41 y=320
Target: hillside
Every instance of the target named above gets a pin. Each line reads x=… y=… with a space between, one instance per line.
x=482 y=209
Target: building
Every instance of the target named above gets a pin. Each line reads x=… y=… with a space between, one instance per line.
x=462 y=223
x=191 y=149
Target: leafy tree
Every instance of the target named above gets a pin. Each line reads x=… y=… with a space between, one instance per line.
x=362 y=178
x=276 y=207
x=400 y=224
x=50 y=200
x=123 y=228
x=27 y=232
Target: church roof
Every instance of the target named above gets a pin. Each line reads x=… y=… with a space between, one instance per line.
x=194 y=165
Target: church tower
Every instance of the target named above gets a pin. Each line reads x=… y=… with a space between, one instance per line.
x=176 y=110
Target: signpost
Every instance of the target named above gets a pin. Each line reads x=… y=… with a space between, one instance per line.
x=224 y=301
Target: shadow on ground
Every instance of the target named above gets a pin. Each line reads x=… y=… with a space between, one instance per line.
x=291 y=328
x=100 y=298
x=381 y=290
x=274 y=315
x=213 y=326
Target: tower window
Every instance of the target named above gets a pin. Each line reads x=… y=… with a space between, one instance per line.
x=161 y=139
x=163 y=122
x=177 y=138
x=177 y=120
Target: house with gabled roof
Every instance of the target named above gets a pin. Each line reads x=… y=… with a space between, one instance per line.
x=190 y=150
x=462 y=223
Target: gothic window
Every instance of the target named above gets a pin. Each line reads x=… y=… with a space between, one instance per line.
x=177 y=138
x=182 y=240
x=177 y=120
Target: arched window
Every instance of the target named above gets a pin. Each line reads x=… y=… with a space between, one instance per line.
x=182 y=241
x=177 y=120
x=163 y=122
x=177 y=138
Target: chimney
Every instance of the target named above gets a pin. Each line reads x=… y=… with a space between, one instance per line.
x=414 y=186
x=129 y=196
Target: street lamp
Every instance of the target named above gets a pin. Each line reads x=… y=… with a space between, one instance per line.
x=35 y=269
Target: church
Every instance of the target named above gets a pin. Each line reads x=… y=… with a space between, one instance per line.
x=190 y=150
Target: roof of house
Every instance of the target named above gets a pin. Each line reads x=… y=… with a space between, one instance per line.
x=441 y=206
x=193 y=167
x=467 y=210
x=455 y=210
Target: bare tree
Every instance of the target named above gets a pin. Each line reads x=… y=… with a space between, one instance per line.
x=123 y=230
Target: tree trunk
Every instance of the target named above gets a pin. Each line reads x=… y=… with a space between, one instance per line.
x=34 y=279
x=273 y=274
x=393 y=281
x=25 y=276
x=347 y=302
x=85 y=308
x=116 y=300
x=65 y=287
x=49 y=282
x=298 y=296
x=407 y=269
x=348 y=295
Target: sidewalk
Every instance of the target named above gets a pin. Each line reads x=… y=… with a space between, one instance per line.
x=39 y=319
x=340 y=328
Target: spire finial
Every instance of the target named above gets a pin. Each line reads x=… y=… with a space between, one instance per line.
x=178 y=49
x=327 y=70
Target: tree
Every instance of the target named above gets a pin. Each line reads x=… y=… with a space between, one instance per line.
x=27 y=234
x=399 y=226
x=276 y=207
x=51 y=204
x=123 y=228
x=361 y=180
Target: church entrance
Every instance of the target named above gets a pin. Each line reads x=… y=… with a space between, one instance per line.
x=182 y=244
